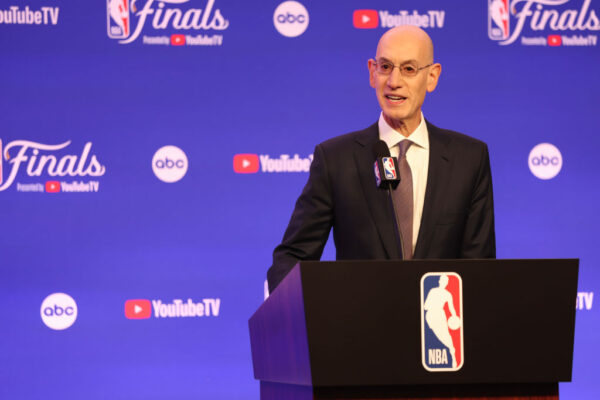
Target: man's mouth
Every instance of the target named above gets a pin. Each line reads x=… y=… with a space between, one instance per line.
x=395 y=98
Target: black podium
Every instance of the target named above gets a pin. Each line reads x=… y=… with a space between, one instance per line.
x=358 y=330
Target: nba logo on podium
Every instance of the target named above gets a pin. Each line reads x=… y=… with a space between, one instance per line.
x=442 y=321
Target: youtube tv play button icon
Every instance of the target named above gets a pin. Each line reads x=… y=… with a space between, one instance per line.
x=138 y=309
x=365 y=19
x=245 y=163
x=554 y=40
x=177 y=40
x=52 y=187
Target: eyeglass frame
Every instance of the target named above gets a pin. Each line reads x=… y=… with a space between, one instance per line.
x=418 y=69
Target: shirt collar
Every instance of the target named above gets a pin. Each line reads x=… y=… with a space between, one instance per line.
x=391 y=137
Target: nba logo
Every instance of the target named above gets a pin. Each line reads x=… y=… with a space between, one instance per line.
x=117 y=18
x=377 y=176
x=442 y=322
x=498 y=21
x=389 y=168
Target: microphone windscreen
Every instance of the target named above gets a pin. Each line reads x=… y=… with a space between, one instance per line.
x=380 y=149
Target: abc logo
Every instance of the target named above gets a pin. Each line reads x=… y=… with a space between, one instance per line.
x=290 y=18
x=58 y=311
x=545 y=161
x=169 y=164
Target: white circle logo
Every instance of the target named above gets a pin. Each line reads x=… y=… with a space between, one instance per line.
x=290 y=18
x=58 y=311
x=545 y=161
x=169 y=164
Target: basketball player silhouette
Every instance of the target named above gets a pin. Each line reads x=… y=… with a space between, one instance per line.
x=436 y=316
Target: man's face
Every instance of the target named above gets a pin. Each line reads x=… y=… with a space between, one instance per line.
x=401 y=97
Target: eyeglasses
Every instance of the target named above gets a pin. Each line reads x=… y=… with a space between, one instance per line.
x=407 y=70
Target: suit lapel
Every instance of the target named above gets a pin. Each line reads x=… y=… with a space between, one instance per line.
x=437 y=180
x=377 y=199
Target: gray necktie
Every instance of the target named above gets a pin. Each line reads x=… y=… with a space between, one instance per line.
x=403 y=202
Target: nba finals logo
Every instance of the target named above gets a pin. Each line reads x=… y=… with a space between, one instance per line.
x=551 y=23
x=441 y=322
x=165 y=22
x=37 y=160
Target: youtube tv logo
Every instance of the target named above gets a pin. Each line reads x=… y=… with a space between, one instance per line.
x=365 y=19
x=138 y=309
x=52 y=187
x=177 y=40
x=246 y=163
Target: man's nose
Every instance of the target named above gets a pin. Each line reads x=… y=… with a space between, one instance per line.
x=395 y=79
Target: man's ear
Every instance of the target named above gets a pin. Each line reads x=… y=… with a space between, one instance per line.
x=371 y=66
x=433 y=76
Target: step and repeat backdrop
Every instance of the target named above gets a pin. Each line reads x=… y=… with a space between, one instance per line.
x=152 y=151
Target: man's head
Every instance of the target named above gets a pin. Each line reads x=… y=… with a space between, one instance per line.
x=400 y=96
x=444 y=280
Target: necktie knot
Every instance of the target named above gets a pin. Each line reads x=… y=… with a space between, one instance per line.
x=403 y=146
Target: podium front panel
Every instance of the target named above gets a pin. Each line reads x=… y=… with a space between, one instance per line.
x=364 y=321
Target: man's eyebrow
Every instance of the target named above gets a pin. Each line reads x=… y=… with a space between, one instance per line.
x=411 y=61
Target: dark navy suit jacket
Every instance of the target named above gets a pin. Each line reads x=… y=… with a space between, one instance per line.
x=458 y=212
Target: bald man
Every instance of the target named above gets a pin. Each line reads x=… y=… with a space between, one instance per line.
x=443 y=206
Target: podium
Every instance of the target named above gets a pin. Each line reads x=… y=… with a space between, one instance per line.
x=360 y=330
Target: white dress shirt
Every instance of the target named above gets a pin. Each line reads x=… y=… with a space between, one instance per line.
x=417 y=156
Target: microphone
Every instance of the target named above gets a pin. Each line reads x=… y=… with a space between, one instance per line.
x=386 y=169
x=387 y=176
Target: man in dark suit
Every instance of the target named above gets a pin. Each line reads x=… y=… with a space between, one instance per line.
x=443 y=205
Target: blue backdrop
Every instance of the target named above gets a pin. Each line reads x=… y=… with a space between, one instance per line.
x=93 y=205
